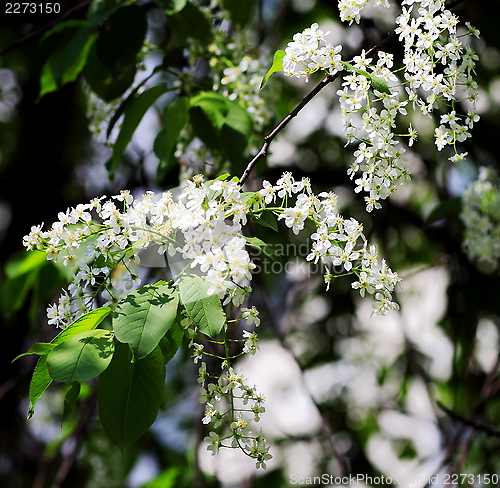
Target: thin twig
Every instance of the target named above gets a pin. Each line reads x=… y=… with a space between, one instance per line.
x=469 y=422
x=46 y=27
x=269 y=138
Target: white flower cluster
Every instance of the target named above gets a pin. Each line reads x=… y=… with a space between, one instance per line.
x=230 y=403
x=481 y=217
x=198 y=228
x=350 y=10
x=379 y=157
x=308 y=54
x=231 y=393
x=436 y=63
x=337 y=241
x=107 y=246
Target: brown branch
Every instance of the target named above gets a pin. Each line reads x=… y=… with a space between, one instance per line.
x=469 y=422
x=269 y=138
x=46 y=27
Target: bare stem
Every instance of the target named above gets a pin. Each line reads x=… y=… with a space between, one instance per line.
x=269 y=138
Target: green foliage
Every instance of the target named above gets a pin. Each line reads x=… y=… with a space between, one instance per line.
x=221 y=124
x=166 y=479
x=134 y=113
x=121 y=38
x=204 y=310
x=70 y=399
x=15 y=291
x=24 y=262
x=175 y=119
x=40 y=381
x=266 y=219
x=101 y=10
x=25 y=273
x=171 y=341
x=144 y=316
x=102 y=82
x=40 y=348
x=68 y=59
x=130 y=394
x=255 y=242
x=41 y=378
x=445 y=209
x=112 y=59
x=377 y=83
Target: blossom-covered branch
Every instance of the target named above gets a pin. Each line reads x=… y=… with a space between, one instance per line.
x=436 y=65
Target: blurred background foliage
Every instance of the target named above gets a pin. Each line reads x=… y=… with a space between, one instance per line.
x=346 y=394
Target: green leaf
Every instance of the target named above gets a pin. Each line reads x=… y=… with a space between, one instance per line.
x=85 y=323
x=40 y=348
x=215 y=108
x=14 y=291
x=266 y=219
x=190 y=23
x=41 y=379
x=171 y=341
x=70 y=400
x=171 y=6
x=106 y=85
x=255 y=242
x=249 y=197
x=166 y=479
x=380 y=85
x=47 y=82
x=223 y=177
x=221 y=123
x=121 y=37
x=133 y=115
x=81 y=357
x=377 y=83
x=23 y=262
x=111 y=62
x=101 y=10
x=236 y=133
x=74 y=40
x=275 y=68
x=175 y=119
x=351 y=69
x=67 y=63
x=144 y=316
x=204 y=310
x=125 y=103
x=130 y=394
